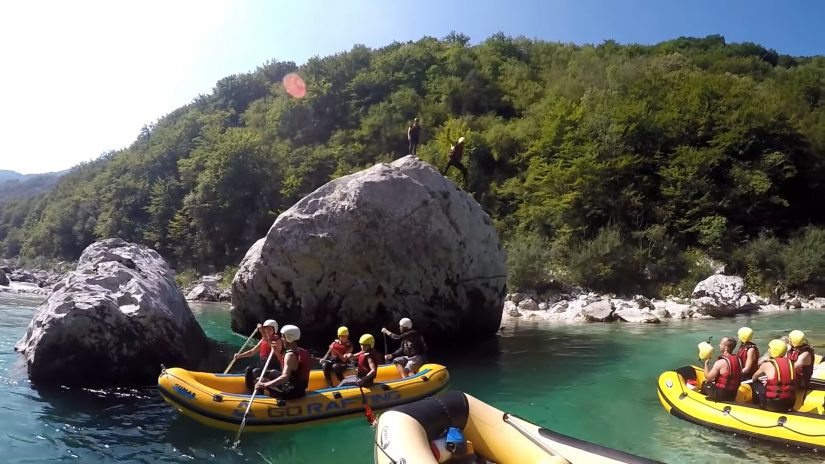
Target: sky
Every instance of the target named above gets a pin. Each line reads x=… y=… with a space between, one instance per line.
x=80 y=78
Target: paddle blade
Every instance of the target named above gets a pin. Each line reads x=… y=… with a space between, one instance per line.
x=370 y=415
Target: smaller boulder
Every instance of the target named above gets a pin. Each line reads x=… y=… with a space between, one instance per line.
x=517 y=297
x=560 y=307
x=528 y=305
x=637 y=315
x=112 y=321
x=511 y=309
x=203 y=292
x=599 y=311
x=4 y=280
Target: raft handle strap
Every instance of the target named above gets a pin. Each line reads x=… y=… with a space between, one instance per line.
x=217 y=397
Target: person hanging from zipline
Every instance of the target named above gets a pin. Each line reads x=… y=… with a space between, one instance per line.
x=456 y=153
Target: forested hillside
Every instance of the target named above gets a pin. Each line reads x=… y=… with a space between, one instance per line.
x=624 y=168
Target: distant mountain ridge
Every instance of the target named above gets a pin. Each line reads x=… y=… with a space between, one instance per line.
x=10 y=175
x=14 y=185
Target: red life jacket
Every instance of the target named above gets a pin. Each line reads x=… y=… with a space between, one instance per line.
x=363 y=363
x=299 y=378
x=731 y=380
x=742 y=354
x=338 y=349
x=804 y=373
x=265 y=348
x=781 y=385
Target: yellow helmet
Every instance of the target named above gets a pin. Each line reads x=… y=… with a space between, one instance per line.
x=367 y=340
x=777 y=348
x=745 y=334
x=343 y=331
x=705 y=351
x=797 y=338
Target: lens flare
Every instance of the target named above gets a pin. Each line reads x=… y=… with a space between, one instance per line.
x=295 y=86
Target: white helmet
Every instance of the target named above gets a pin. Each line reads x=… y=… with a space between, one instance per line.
x=405 y=323
x=291 y=333
x=271 y=323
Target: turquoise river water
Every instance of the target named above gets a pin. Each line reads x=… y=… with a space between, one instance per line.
x=596 y=382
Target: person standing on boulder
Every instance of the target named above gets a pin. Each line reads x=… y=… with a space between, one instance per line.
x=270 y=340
x=413 y=136
x=456 y=153
x=337 y=357
x=292 y=383
x=409 y=357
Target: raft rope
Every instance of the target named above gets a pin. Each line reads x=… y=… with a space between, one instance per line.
x=727 y=411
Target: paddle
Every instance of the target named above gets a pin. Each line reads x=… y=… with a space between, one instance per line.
x=239 y=351
x=251 y=399
x=367 y=409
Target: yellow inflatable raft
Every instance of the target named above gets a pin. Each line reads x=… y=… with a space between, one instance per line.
x=411 y=434
x=220 y=400
x=805 y=426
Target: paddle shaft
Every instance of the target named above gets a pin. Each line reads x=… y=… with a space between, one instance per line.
x=367 y=408
x=239 y=351
x=745 y=382
x=251 y=399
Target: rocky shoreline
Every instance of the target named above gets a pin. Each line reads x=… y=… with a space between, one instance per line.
x=35 y=282
x=717 y=296
x=27 y=281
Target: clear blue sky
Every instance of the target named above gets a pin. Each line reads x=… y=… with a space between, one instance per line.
x=82 y=77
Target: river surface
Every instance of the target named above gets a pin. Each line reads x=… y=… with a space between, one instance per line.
x=592 y=381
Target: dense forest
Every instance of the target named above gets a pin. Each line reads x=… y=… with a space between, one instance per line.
x=612 y=167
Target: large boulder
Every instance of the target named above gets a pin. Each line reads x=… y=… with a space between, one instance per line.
x=4 y=280
x=112 y=321
x=721 y=295
x=395 y=240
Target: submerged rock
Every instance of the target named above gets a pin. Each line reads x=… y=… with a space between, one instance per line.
x=112 y=321
x=395 y=240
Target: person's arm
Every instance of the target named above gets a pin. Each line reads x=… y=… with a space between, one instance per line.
x=371 y=374
x=750 y=360
x=392 y=335
x=290 y=365
x=326 y=356
x=759 y=372
x=249 y=352
x=800 y=361
x=714 y=371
